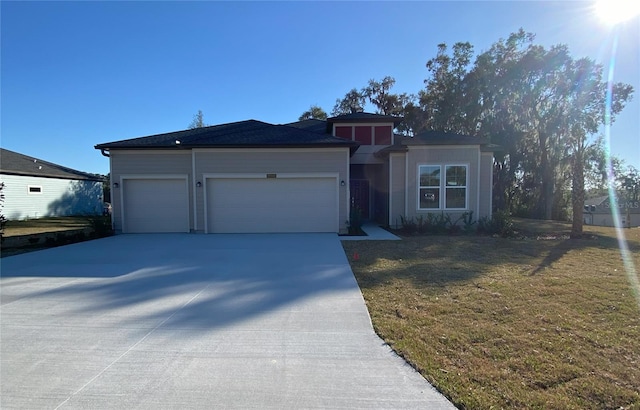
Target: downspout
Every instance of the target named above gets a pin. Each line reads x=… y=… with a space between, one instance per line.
x=102 y=151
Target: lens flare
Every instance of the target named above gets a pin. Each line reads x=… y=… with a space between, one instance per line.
x=612 y=12
x=625 y=253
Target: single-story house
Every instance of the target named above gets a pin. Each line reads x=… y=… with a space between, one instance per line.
x=305 y=176
x=34 y=188
x=598 y=211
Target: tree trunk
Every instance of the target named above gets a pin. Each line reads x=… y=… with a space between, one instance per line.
x=577 y=194
x=546 y=195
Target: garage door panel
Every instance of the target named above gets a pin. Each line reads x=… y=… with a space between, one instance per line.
x=248 y=205
x=155 y=205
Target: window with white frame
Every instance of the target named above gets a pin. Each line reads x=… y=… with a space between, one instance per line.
x=455 y=187
x=429 y=190
x=435 y=192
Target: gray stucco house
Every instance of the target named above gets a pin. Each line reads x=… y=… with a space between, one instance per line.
x=34 y=188
x=305 y=176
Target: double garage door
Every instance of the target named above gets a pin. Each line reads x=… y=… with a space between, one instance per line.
x=233 y=205
x=256 y=205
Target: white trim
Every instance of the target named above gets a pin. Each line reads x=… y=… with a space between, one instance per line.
x=419 y=187
x=195 y=191
x=262 y=175
x=270 y=150
x=362 y=124
x=390 y=189
x=113 y=219
x=348 y=193
x=442 y=200
x=435 y=147
x=150 y=177
x=406 y=184
x=152 y=151
x=39 y=192
x=491 y=186
x=478 y=184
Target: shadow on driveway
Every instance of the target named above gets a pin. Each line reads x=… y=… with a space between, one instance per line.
x=189 y=281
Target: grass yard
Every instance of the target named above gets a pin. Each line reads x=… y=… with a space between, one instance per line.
x=43 y=225
x=543 y=322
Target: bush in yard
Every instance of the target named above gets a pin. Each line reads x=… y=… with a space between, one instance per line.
x=499 y=224
x=409 y=226
x=355 y=221
x=101 y=225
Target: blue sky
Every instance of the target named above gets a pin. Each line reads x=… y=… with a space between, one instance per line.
x=75 y=74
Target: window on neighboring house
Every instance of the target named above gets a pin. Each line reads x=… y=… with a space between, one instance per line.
x=32 y=189
x=431 y=187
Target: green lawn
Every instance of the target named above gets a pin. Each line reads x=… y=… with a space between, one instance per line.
x=542 y=322
x=42 y=225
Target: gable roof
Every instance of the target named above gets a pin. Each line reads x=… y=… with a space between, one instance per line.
x=597 y=201
x=13 y=163
x=243 y=134
x=315 y=125
x=365 y=117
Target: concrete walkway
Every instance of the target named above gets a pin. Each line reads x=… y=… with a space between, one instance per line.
x=196 y=321
x=374 y=233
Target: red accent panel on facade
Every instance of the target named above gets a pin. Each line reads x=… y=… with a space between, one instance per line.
x=343 y=132
x=363 y=135
x=383 y=135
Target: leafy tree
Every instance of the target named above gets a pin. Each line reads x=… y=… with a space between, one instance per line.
x=586 y=110
x=379 y=94
x=198 y=121
x=540 y=105
x=445 y=100
x=314 y=112
x=352 y=102
x=629 y=183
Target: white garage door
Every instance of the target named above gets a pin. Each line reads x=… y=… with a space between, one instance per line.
x=257 y=205
x=155 y=205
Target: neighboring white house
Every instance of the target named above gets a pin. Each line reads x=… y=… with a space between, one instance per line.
x=34 y=188
x=598 y=211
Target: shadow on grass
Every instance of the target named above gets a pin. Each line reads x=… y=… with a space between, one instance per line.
x=450 y=259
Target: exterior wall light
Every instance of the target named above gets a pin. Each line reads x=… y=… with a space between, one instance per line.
x=116 y=185
x=198 y=184
x=342 y=183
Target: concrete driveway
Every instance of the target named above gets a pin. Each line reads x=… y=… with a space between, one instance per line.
x=195 y=321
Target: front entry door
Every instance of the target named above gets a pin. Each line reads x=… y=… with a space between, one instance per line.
x=360 y=196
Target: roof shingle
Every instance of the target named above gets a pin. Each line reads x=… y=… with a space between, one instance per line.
x=250 y=133
x=14 y=163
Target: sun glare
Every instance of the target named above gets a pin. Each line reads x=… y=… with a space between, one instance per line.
x=612 y=12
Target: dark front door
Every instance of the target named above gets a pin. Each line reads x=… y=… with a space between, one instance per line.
x=360 y=196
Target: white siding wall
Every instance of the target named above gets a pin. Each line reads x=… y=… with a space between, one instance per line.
x=59 y=197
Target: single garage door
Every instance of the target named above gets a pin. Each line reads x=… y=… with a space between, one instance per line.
x=261 y=205
x=155 y=205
